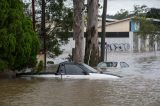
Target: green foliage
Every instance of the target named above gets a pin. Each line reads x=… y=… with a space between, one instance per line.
x=40 y=66
x=147 y=26
x=3 y=65
x=50 y=62
x=140 y=10
x=62 y=17
x=153 y=13
x=121 y=14
x=19 y=44
x=59 y=21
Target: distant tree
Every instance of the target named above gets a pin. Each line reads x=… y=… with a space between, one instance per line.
x=19 y=44
x=92 y=47
x=153 y=13
x=61 y=17
x=147 y=26
x=59 y=22
x=122 y=14
x=138 y=10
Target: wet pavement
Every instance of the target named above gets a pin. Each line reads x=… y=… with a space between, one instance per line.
x=139 y=86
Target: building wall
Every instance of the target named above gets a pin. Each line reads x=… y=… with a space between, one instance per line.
x=117 y=42
x=141 y=44
x=135 y=42
x=40 y=57
x=112 y=45
x=123 y=26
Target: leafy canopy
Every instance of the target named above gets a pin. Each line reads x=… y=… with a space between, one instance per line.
x=59 y=21
x=148 y=26
x=19 y=44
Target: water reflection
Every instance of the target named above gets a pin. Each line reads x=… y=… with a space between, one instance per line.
x=140 y=86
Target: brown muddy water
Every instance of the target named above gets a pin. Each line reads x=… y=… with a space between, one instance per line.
x=139 y=86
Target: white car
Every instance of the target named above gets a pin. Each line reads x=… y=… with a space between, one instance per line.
x=111 y=65
x=71 y=70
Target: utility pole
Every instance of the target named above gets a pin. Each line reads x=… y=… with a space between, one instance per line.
x=103 y=30
x=33 y=14
x=43 y=31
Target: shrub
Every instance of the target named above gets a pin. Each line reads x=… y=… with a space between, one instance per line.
x=40 y=66
x=50 y=62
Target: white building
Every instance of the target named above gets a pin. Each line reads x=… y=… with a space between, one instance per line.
x=120 y=37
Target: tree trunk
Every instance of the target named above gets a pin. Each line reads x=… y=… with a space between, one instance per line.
x=33 y=14
x=78 y=30
x=92 y=47
x=43 y=30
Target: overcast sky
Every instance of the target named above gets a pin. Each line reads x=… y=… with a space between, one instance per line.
x=116 y=5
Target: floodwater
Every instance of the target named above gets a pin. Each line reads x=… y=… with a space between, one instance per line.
x=139 y=86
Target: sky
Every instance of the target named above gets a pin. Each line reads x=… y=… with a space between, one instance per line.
x=116 y=5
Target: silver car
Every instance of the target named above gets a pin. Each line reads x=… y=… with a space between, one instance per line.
x=111 y=66
x=71 y=70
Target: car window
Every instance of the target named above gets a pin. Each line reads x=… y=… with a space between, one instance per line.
x=109 y=64
x=123 y=65
x=72 y=69
x=102 y=65
x=89 y=69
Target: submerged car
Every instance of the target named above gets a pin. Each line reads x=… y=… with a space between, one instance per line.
x=110 y=66
x=71 y=70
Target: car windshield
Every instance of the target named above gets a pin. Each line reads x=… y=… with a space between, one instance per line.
x=107 y=64
x=90 y=69
x=111 y=64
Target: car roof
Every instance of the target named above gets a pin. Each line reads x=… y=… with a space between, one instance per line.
x=111 y=61
x=67 y=62
x=83 y=66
